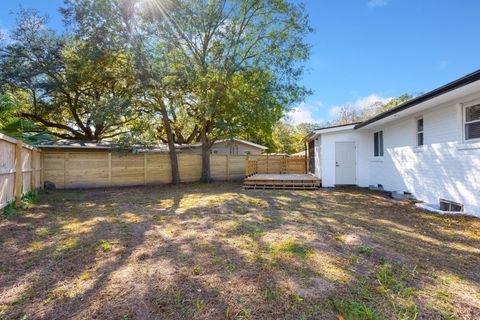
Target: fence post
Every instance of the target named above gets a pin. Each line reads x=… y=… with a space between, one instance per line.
x=109 y=169
x=267 y=163
x=145 y=168
x=33 y=179
x=18 y=173
x=65 y=169
x=42 y=168
x=228 y=168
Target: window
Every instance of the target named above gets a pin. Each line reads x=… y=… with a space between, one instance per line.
x=420 y=132
x=472 y=122
x=378 y=144
x=447 y=205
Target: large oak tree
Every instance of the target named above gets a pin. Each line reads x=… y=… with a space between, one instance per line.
x=244 y=61
x=71 y=85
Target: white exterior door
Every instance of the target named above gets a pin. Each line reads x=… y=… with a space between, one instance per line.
x=345 y=163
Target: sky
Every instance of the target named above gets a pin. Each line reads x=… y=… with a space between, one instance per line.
x=365 y=51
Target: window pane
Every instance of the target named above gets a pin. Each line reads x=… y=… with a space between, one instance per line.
x=380 y=135
x=420 y=125
x=472 y=113
x=375 y=144
x=420 y=139
x=472 y=130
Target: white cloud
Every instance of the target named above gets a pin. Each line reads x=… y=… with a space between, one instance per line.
x=334 y=111
x=368 y=101
x=363 y=104
x=377 y=3
x=304 y=113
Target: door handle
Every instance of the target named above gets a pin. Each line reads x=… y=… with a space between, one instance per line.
x=336 y=164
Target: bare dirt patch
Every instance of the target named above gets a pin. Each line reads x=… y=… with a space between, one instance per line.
x=219 y=252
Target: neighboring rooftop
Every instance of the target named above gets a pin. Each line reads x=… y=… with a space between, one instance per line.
x=102 y=145
x=236 y=140
x=338 y=125
x=335 y=128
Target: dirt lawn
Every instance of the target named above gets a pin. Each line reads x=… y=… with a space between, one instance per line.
x=219 y=252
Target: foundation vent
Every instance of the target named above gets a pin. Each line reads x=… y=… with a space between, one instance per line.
x=447 y=205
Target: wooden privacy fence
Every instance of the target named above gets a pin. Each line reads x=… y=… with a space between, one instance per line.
x=20 y=169
x=276 y=165
x=102 y=168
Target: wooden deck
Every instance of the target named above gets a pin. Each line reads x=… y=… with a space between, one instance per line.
x=282 y=181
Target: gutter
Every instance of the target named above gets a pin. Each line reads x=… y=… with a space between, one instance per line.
x=469 y=78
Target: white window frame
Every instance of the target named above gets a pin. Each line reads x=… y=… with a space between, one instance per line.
x=417 y=132
x=381 y=148
x=464 y=121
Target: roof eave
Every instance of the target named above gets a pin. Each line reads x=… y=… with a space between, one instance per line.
x=468 y=79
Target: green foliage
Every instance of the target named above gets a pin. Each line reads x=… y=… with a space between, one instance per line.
x=17 y=127
x=134 y=72
x=9 y=210
x=76 y=85
x=390 y=279
x=197 y=270
x=272 y=293
x=294 y=248
x=237 y=64
x=288 y=138
x=106 y=246
x=356 y=310
x=395 y=102
x=199 y=304
x=253 y=230
x=365 y=250
x=27 y=199
x=393 y=284
x=179 y=298
x=349 y=113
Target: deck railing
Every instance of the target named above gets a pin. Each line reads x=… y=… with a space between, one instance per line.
x=277 y=165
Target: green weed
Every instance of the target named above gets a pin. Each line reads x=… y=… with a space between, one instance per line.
x=29 y=198
x=9 y=210
x=365 y=250
x=272 y=293
x=356 y=310
x=197 y=270
x=199 y=304
x=106 y=246
x=295 y=248
x=253 y=230
x=179 y=298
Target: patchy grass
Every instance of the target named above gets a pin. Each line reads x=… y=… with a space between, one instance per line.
x=294 y=248
x=365 y=250
x=218 y=252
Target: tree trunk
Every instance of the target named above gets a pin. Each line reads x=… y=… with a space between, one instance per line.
x=171 y=144
x=206 y=178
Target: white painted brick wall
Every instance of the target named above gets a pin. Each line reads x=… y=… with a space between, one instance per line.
x=328 y=156
x=318 y=163
x=441 y=169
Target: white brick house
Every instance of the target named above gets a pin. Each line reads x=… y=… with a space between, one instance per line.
x=428 y=146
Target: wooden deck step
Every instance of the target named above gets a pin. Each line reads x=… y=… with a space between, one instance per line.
x=282 y=181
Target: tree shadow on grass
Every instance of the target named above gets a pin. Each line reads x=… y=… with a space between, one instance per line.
x=208 y=252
